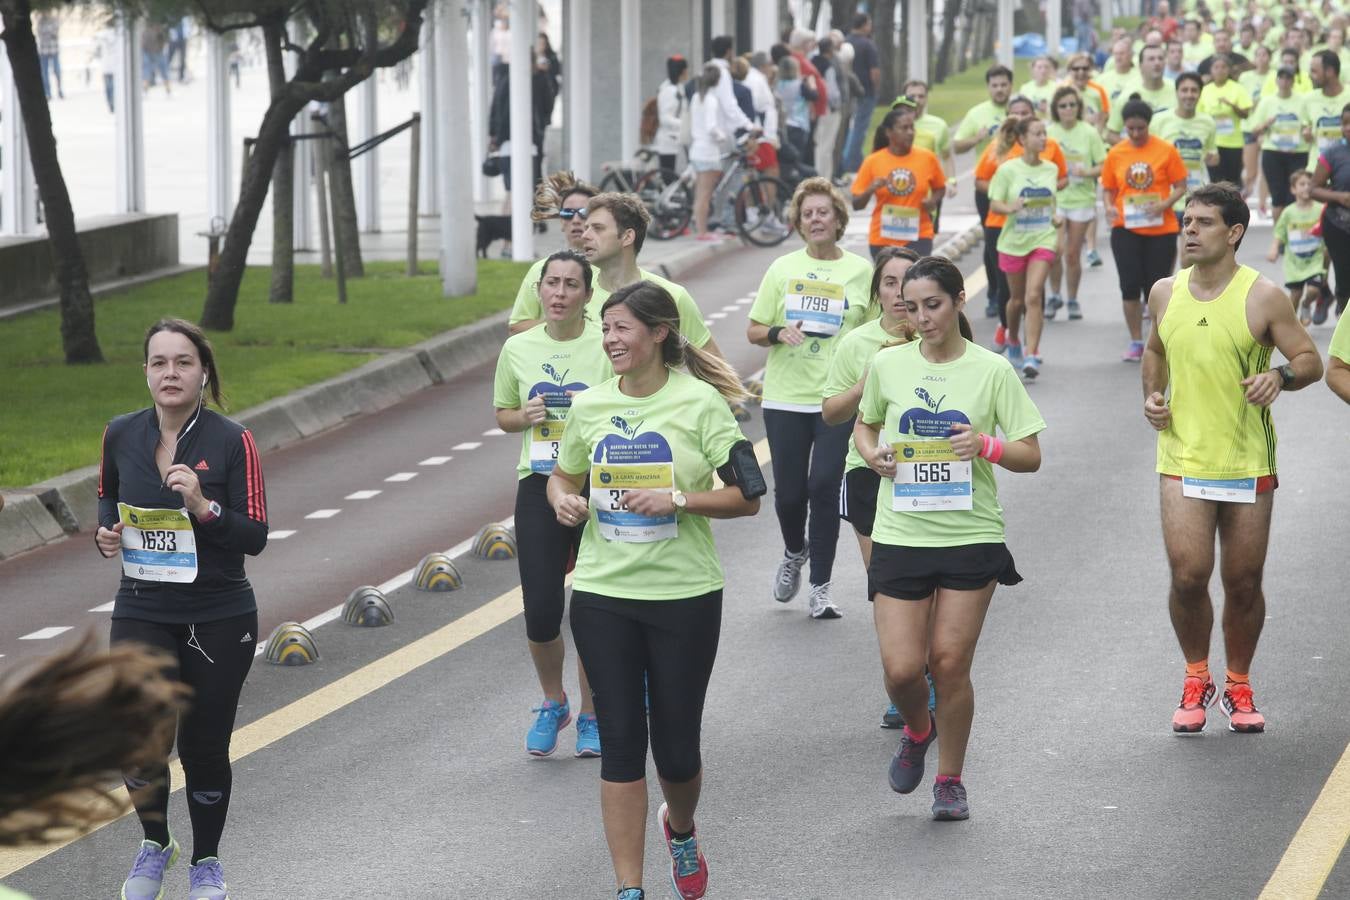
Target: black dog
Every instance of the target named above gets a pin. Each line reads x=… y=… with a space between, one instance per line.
x=492 y=228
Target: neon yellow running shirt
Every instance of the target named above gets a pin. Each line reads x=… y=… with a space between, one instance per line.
x=851 y=359
x=527 y=304
x=1340 y=341
x=1215 y=433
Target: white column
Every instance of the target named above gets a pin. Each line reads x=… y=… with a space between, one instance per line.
x=577 y=81
x=428 y=196
x=480 y=78
x=1005 y=32
x=459 y=269
x=1054 y=26
x=129 y=176
x=916 y=28
x=1107 y=20
x=524 y=22
x=18 y=214
x=764 y=24
x=368 y=200
x=219 y=171
x=630 y=86
x=302 y=158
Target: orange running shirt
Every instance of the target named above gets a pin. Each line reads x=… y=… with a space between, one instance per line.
x=990 y=161
x=1147 y=171
x=910 y=179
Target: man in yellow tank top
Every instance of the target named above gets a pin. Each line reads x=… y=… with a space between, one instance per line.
x=1208 y=388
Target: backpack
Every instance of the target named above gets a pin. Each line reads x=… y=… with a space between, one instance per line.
x=649 y=123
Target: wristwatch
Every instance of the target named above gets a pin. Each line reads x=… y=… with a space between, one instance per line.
x=1286 y=376
x=213 y=512
x=678 y=498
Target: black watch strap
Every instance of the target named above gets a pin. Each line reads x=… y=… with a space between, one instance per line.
x=774 y=331
x=1286 y=376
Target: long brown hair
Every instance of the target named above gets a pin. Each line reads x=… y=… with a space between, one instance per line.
x=204 y=352
x=949 y=278
x=653 y=306
x=72 y=724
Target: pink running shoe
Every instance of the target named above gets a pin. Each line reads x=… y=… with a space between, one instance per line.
x=1196 y=697
x=688 y=868
x=1242 y=713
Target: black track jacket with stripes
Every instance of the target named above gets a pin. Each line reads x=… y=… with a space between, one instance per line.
x=226 y=461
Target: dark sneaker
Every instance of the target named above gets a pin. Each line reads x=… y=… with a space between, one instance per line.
x=907 y=764
x=949 y=801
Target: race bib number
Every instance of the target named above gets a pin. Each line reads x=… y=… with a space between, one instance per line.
x=1137 y=214
x=1284 y=134
x=818 y=305
x=610 y=485
x=929 y=478
x=1038 y=212
x=1224 y=125
x=1328 y=131
x=1303 y=244
x=546 y=437
x=158 y=544
x=899 y=223
x=1235 y=490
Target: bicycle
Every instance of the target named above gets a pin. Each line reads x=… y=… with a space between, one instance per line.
x=622 y=177
x=756 y=203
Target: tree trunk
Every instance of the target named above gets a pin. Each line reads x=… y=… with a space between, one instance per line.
x=78 y=339
x=883 y=33
x=273 y=136
x=346 y=227
x=282 y=288
x=951 y=10
x=841 y=15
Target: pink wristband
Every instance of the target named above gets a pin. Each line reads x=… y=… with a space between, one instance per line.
x=991 y=448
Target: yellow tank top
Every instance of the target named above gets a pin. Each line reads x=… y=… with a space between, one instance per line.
x=1215 y=432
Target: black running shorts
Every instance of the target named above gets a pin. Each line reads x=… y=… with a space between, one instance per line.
x=914 y=573
x=858 y=499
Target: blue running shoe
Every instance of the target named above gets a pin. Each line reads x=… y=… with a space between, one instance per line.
x=542 y=739
x=206 y=880
x=1031 y=367
x=1094 y=260
x=146 y=881
x=688 y=868
x=891 y=718
x=1015 y=356
x=907 y=765
x=1075 y=311
x=932 y=691
x=631 y=894
x=991 y=309
x=588 y=736
x=1053 y=304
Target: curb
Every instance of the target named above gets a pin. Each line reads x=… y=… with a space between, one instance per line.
x=958 y=246
x=68 y=503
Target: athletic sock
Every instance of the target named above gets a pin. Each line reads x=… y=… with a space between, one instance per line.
x=1236 y=678
x=918 y=738
x=949 y=779
x=680 y=835
x=1198 y=670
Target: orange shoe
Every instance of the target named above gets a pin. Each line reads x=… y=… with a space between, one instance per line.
x=1242 y=713
x=1196 y=697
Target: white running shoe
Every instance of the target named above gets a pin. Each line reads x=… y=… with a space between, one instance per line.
x=788 y=579
x=821 y=607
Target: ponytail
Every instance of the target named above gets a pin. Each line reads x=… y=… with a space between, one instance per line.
x=1007 y=136
x=653 y=306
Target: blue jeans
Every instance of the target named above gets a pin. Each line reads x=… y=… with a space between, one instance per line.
x=858 y=131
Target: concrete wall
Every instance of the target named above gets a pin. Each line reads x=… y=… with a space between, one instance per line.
x=114 y=247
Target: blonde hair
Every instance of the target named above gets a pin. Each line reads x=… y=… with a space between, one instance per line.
x=553 y=190
x=818 y=186
x=653 y=306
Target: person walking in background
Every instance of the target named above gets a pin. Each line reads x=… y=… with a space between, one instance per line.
x=49 y=53
x=1084 y=15
x=827 y=126
x=705 y=146
x=107 y=56
x=670 y=109
x=794 y=94
x=867 y=68
x=154 y=63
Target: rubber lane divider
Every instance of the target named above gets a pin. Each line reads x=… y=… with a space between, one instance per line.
x=1318 y=843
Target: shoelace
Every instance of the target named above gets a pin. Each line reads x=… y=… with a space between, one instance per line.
x=1241 y=697
x=1193 y=692
x=150 y=863
x=949 y=792
x=630 y=894
x=588 y=727
x=685 y=854
x=789 y=568
x=552 y=710
x=206 y=873
x=911 y=751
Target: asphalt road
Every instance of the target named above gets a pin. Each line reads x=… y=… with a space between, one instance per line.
x=415 y=785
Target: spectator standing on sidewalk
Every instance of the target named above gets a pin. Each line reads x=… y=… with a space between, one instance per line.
x=49 y=52
x=827 y=125
x=670 y=110
x=867 y=68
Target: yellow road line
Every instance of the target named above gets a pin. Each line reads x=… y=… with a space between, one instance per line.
x=1318 y=843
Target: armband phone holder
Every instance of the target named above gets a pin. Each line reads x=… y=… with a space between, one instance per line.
x=744 y=470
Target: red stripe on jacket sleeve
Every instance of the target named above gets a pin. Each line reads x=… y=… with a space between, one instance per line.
x=256 y=493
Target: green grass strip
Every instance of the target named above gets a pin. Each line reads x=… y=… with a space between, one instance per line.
x=52 y=415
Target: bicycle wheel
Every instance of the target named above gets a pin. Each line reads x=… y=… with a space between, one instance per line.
x=761 y=211
x=668 y=200
x=614 y=182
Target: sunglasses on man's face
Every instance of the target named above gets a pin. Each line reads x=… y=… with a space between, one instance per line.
x=1080 y=68
x=566 y=213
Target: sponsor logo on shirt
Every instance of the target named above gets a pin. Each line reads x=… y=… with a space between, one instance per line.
x=201 y=466
x=1139 y=176
x=903 y=182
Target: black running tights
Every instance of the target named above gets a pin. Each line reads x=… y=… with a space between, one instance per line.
x=808 y=464
x=212 y=658
x=545 y=547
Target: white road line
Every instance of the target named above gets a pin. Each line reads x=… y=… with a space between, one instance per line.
x=493 y=432
x=43 y=634
x=707 y=321
x=468 y=445
x=731 y=307
x=402 y=476
x=745 y=301
x=402 y=579
x=362 y=495
x=435 y=460
x=280 y=535
x=106 y=607
x=323 y=514
x=718 y=315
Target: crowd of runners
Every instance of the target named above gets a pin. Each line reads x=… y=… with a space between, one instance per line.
x=880 y=409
